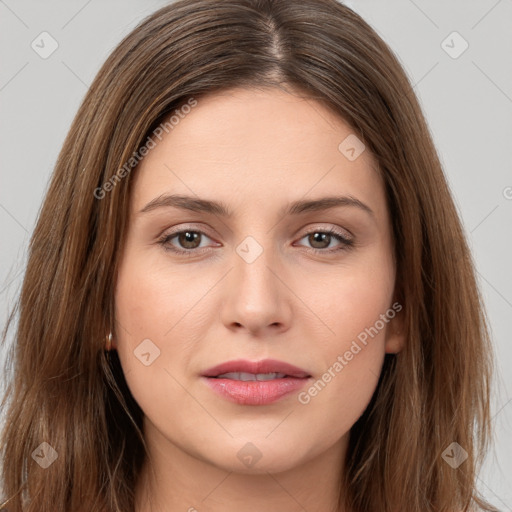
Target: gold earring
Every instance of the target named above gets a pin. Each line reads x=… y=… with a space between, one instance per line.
x=109 y=341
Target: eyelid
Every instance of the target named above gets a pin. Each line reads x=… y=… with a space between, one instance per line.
x=176 y=230
x=331 y=229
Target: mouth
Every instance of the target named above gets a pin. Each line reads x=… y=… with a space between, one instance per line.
x=266 y=369
x=244 y=376
x=255 y=383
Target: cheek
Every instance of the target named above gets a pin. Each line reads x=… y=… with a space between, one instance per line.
x=160 y=319
x=352 y=303
x=151 y=300
x=144 y=326
x=352 y=360
x=357 y=311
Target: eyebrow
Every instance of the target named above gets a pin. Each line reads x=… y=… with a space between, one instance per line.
x=196 y=204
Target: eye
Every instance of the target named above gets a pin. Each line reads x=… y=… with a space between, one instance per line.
x=188 y=239
x=321 y=240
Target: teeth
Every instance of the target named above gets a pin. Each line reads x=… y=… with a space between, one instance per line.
x=251 y=376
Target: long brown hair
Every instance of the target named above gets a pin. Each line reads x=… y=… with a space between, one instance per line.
x=65 y=390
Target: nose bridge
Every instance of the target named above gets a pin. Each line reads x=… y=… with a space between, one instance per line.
x=256 y=298
x=253 y=261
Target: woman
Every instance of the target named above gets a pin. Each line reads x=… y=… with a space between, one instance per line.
x=248 y=287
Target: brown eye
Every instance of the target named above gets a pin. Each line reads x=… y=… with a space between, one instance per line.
x=321 y=240
x=188 y=242
x=188 y=239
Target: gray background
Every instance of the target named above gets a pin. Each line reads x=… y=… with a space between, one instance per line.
x=467 y=101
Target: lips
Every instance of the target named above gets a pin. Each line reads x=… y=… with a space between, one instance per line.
x=255 y=383
x=265 y=366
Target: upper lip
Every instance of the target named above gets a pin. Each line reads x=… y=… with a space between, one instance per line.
x=263 y=366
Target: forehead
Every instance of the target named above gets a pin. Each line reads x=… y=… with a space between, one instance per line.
x=256 y=145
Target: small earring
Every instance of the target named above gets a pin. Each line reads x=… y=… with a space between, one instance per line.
x=109 y=341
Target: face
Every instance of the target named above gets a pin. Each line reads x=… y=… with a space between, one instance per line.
x=310 y=286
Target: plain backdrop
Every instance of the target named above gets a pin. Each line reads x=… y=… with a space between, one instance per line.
x=463 y=81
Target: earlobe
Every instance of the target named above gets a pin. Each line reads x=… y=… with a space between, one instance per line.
x=395 y=335
x=395 y=341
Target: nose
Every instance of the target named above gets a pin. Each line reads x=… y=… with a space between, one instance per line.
x=256 y=297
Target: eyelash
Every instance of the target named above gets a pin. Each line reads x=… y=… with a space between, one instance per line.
x=346 y=242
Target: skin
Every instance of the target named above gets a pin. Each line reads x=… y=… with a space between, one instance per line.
x=255 y=151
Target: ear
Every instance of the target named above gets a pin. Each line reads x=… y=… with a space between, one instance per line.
x=395 y=332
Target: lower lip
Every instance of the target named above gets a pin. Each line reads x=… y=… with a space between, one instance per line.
x=255 y=392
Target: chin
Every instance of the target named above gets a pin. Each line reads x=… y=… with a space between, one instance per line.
x=256 y=457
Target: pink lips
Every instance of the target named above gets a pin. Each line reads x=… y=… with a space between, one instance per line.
x=255 y=392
